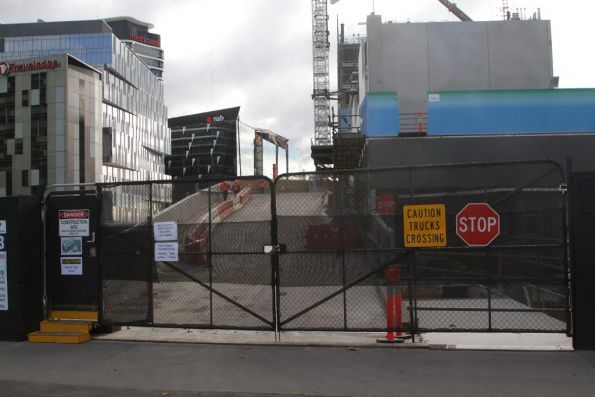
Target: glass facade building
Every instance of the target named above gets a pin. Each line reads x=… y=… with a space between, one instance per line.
x=50 y=124
x=217 y=144
x=134 y=134
x=146 y=45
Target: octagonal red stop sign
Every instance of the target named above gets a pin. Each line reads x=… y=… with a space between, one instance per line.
x=478 y=224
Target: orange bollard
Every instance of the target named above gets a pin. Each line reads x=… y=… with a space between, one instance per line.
x=394 y=302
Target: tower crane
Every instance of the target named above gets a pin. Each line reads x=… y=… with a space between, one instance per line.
x=320 y=57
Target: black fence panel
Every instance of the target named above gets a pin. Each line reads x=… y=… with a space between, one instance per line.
x=344 y=230
x=196 y=262
x=349 y=250
x=126 y=254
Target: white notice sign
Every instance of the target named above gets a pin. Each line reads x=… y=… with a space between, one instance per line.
x=166 y=252
x=3 y=281
x=434 y=98
x=71 y=246
x=2 y=227
x=73 y=223
x=165 y=231
x=71 y=266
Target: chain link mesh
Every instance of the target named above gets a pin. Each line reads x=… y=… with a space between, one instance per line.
x=345 y=229
x=343 y=235
x=222 y=278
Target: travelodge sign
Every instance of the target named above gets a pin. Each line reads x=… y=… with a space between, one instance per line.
x=47 y=64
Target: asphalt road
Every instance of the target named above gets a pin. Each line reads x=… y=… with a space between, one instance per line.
x=102 y=368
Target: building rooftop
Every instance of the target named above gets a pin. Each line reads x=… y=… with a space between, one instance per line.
x=54 y=28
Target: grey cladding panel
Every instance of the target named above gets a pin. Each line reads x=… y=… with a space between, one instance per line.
x=404 y=65
x=520 y=46
x=414 y=58
x=458 y=56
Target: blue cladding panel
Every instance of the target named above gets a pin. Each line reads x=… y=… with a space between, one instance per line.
x=516 y=111
x=380 y=114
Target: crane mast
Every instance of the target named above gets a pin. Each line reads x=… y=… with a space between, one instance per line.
x=320 y=57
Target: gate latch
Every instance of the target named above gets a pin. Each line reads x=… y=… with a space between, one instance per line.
x=275 y=249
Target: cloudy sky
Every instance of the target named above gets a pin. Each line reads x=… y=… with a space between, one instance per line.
x=258 y=53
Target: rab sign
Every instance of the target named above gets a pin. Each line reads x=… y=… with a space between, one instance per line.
x=47 y=64
x=478 y=224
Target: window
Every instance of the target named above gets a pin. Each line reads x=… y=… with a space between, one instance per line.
x=25 y=98
x=38 y=89
x=18 y=146
x=25 y=178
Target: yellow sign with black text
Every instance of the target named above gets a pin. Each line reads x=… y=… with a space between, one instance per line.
x=424 y=225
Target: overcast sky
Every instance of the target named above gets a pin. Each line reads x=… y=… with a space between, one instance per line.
x=258 y=54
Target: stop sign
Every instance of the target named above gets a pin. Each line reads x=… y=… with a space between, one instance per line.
x=478 y=224
x=385 y=204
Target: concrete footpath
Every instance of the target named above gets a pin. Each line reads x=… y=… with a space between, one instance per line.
x=433 y=340
x=120 y=368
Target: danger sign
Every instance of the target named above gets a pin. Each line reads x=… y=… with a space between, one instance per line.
x=478 y=224
x=73 y=223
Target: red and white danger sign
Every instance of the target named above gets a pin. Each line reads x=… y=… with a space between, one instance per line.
x=73 y=223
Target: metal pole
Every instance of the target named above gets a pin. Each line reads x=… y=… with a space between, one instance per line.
x=487 y=255
x=568 y=231
x=44 y=257
x=489 y=279
x=275 y=280
x=342 y=248
x=210 y=258
x=98 y=251
x=413 y=290
x=151 y=308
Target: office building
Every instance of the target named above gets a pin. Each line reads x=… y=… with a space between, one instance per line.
x=129 y=120
x=216 y=144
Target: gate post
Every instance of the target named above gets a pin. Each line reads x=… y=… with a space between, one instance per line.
x=275 y=284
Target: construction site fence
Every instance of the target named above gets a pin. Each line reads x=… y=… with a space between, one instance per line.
x=333 y=250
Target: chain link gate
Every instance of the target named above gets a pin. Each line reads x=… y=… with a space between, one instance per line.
x=218 y=276
x=336 y=239
x=345 y=231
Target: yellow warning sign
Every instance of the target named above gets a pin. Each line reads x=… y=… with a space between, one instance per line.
x=424 y=225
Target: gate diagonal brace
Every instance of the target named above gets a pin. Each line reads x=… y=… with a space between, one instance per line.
x=219 y=294
x=342 y=290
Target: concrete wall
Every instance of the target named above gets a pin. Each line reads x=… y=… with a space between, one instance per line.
x=415 y=58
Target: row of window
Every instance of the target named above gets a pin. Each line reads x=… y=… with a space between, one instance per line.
x=66 y=43
x=148 y=51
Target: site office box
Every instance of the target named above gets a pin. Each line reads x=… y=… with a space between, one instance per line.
x=20 y=267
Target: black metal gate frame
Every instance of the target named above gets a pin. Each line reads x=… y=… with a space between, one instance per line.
x=277 y=323
x=52 y=190
x=271 y=324
x=411 y=253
